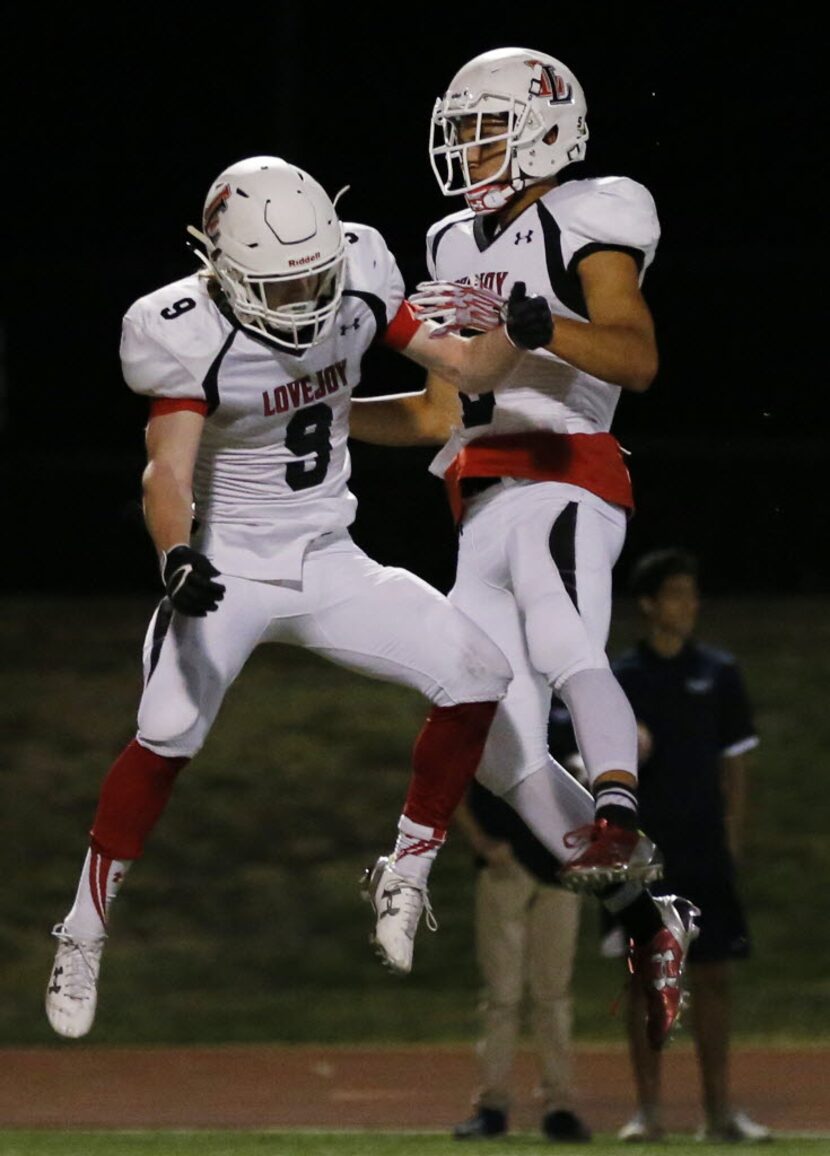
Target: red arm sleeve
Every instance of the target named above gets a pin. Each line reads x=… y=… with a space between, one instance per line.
x=162 y=405
x=402 y=328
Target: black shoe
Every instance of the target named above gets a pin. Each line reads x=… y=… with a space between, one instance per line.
x=565 y=1126
x=486 y=1122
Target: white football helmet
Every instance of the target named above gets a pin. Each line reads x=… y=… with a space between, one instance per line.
x=532 y=93
x=274 y=242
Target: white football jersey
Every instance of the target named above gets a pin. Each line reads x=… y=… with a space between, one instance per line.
x=273 y=464
x=543 y=248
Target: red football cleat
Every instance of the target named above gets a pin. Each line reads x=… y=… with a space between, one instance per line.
x=658 y=966
x=609 y=854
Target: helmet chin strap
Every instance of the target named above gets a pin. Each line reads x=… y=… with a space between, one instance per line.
x=495 y=196
x=491 y=198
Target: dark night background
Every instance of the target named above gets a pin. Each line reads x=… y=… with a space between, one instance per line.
x=120 y=123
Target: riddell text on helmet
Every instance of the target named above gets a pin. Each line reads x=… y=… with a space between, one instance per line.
x=304 y=260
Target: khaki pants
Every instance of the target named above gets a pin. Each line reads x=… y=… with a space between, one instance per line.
x=526 y=934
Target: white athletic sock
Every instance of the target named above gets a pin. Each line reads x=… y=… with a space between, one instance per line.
x=100 y=881
x=415 y=850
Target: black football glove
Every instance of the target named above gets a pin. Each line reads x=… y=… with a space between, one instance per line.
x=188 y=579
x=527 y=320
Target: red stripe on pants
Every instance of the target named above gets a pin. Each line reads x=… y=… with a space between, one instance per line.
x=445 y=759
x=133 y=796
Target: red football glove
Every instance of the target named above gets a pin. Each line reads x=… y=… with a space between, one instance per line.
x=457 y=306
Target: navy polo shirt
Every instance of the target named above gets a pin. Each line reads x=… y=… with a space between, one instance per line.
x=696 y=707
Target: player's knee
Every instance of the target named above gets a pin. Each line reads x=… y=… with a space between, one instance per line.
x=558 y=643
x=176 y=732
x=500 y=772
x=480 y=674
x=483 y=669
x=559 y=676
x=180 y=747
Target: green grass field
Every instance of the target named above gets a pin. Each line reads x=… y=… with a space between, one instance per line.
x=347 y=1144
x=243 y=922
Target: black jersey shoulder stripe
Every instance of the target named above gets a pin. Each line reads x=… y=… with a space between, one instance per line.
x=600 y=247
x=564 y=282
x=376 y=305
x=210 y=385
x=485 y=230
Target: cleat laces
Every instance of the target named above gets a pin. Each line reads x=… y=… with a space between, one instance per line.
x=78 y=964
x=413 y=900
x=581 y=836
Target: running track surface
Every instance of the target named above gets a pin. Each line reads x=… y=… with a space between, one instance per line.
x=419 y=1088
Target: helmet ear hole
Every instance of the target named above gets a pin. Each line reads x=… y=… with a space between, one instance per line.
x=550 y=137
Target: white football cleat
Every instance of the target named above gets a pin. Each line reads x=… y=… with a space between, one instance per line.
x=398 y=904
x=72 y=993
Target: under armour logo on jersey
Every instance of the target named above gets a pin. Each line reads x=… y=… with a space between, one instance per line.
x=345 y=328
x=523 y=237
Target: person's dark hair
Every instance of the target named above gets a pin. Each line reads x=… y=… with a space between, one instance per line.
x=650 y=572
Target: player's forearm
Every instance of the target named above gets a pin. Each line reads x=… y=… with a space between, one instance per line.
x=400 y=421
x=618 y=354
x=168 y=506
x=473 y=364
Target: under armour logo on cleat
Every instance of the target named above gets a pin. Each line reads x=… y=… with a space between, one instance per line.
x=389 y=896
x=55 y=986
x=664 y=960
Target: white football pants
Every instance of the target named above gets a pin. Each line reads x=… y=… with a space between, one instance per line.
x=379 y=620
x=534 y=571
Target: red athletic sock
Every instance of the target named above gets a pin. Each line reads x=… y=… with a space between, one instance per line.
x=445 y=759
x=133 y=796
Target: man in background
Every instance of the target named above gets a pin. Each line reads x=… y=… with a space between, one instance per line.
x=695 y=729
x=526 y=928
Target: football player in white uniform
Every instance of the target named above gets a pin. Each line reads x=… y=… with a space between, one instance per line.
x=248 y=366
x=536 y=479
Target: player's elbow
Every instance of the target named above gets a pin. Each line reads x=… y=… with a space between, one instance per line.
x=640 y=383
x=642 y=372
x=161 y=479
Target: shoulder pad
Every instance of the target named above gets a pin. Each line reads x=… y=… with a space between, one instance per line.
x=612 y=211
x=169 y=339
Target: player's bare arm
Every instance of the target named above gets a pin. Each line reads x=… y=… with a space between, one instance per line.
x=172 y=444
x=618 y=344
x=188 y=576
x=422 y=419
x=470 y=364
